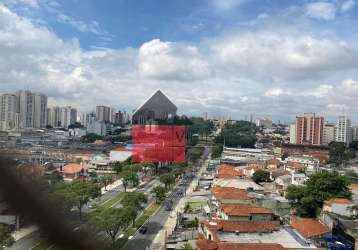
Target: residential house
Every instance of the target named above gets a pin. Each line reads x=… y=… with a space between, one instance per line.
x=72 y=171
x=228 y=172
x=273 y=163
x=340 y=206
x=242 y=184
x=310 y=229
x=241 y=212
x=298 y=179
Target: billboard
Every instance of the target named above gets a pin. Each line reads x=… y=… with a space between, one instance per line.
x=158 y=143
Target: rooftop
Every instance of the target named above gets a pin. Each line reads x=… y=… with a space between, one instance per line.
x=72 y=168
x=309 y=228
x=338 y=201
x=229 y=193
x=243 y=210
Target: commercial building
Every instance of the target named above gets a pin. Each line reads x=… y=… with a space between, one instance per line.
x=103 y=113
x=97 y=127
x=329 y=133
x=158 y=106
x=7 y=111
x=344 y=130
x=309 y=129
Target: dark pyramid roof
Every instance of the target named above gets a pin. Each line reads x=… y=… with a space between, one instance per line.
x=158 y=99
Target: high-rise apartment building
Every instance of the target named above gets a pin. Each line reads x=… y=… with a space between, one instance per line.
x=68 y=116
x=32 y=108
x=309 y=129
x=329 y=133
x=265 y=123
x=344 y=130
x=54 y=116
x=293 y=133
x=355 y=133
x=39 y=110
x=7 y=111
x=103 y=113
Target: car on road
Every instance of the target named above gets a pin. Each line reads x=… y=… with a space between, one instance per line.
x=143 y=229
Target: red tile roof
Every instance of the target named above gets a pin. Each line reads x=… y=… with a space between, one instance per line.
x=243 y=210
x=273 y=161
x=295 y=165
x=338 y=201
x=229 y=193
x=309 y=228
x=249 y=246
x=241 y=226
x=228 y=172
x=72 y=168
x=212 y=245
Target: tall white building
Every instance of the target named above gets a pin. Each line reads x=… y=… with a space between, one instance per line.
x=355 y=133
x=32 y=108
x=68 y=116
x=54 y=116
x=329 y=133
x=7 y=111
x=344 y=130
x=293 y=133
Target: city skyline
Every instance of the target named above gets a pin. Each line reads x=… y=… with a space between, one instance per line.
x=226 y=58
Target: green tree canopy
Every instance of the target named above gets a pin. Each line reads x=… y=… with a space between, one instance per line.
x=308 y=199
x=111 y=220
x=159 y=193
x=134 y=199
x=261 y=176
x=167 y=180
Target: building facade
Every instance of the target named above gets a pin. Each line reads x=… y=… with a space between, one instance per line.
x=344 y=130
x=309 y=129
x=329 y=133
x=293 y=133
x=7 y=111
x=32 y=108
x=103 y=113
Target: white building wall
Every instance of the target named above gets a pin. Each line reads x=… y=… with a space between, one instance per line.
x=293 y=133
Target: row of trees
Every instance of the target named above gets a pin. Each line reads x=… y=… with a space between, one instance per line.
x=338 y=152
x=241 y=133
x=113 y=220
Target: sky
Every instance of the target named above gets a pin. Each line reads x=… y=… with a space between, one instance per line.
x=229 y=58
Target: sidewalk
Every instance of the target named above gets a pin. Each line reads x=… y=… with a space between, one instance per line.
x=23 y=232
x=169 y=225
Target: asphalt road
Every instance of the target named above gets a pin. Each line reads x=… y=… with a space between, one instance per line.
x=155 y=223
x=27 y=242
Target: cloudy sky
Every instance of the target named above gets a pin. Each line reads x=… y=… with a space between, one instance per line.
x=230 y=58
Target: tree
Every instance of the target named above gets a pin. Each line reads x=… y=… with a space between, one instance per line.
x=5 y=236
x=308 y=199
x=133 y=199
x=194 y=154
x=159 y=193
x=91 y=137
x=261 y=176
x=111 y=220
x=217 y=151
x=106 y=180
x=129 y=177
x=167 y=180
x=187 y=246
x=78 y=193
x=336 y=152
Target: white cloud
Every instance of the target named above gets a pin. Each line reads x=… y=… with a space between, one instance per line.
x=262 y=72
x=91 y=26
x=321 y=10
x=171 y=61
x=347 y=5
x=281 y=56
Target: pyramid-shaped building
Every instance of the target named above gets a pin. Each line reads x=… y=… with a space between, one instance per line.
x=158 y=106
